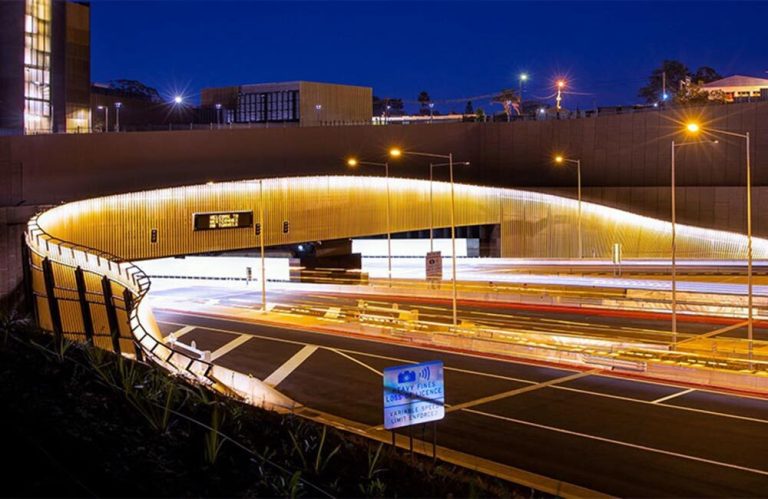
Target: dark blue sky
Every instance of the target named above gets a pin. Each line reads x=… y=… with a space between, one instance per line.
x=454 y=50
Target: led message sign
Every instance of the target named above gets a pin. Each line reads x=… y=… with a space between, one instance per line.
x=223 y=220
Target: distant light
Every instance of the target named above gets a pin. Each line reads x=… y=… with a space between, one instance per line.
x=655 y=104
x=395 y=152
x=560 y=83
x=664 y=96
x=558 y=159
x=100 y=108
x=431 y=104
x=118 y=105
x=523 y=77
x=541 y=111
x=692 y=127
x=210 y=182
x=218 y=106
x=301 y=247
x=178 y=99
x=318 y=106
x=352 y=162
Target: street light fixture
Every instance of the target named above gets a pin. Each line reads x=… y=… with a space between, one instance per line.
x=178 y=99
x=694 y=128
x=218 y=115
x=396 y=153
x=354 y=162
x=559 y=159
x=675 y=146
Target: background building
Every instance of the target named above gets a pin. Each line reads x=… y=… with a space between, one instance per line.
x=45 y=66
x=738 y=88
x=298 y=102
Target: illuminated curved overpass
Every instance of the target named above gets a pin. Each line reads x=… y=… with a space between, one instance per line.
x=84 y=284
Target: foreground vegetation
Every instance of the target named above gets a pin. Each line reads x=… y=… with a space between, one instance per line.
x=83 y=422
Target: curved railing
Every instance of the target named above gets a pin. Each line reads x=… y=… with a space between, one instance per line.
x=146 y=335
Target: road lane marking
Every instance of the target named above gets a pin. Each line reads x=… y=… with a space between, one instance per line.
x=181 y=332
x=518 y=391
x=290 y=365
x=521 y=362
x=714 y=333
x=230 y=346
x=355 y=360
x=668 y=397
x=619 y=442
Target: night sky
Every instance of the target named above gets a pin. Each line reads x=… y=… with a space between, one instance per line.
x=453 y=50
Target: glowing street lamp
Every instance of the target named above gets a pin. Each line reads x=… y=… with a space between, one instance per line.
x=218 y=115
x=694 y=128
x=396 y=153
x=559 y=159
x=178 y=99
x=353 y=163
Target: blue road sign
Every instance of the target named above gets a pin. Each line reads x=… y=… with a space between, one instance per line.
x=413 y=394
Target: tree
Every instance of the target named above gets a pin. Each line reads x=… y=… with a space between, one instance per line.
x=675 y=72
x=509 y=99
x=480 y=114
x=424 y=101
x=135 y=88
x=705 y=74
x=469 y=109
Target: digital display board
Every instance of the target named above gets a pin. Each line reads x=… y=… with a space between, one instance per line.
x=223 y=220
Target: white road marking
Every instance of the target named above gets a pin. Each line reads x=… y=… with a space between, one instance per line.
x=230 y=346
x=518 y=391
x=355 y=361
x=290 y=365
x=668 y=397
x=497 y=376
x=619 y=442
x=181 y=332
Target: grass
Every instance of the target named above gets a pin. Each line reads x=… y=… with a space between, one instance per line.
x=81 y=422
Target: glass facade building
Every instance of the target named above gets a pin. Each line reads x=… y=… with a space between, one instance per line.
x=44 y=66
x=262 y=107
x=38 y=106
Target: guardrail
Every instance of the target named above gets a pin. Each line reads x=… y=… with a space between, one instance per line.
x=84 y=311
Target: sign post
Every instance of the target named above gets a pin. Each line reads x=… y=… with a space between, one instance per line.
x=413 y=394
x=434 y=266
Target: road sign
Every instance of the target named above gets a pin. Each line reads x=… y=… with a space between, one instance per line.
x=413 y=394
x=434 y=265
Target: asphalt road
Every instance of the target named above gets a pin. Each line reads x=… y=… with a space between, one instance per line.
x=614 y=324
x=618 y=436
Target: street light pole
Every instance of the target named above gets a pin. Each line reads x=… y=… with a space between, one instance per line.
x=118 y=105
x=431 y=217
x=352 y=162
x=523 y=78
x=261 y=243
x=694 y=128
x=674 y=254
x=674 y=234
x=560 y=159
x=397 y=153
